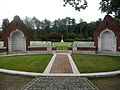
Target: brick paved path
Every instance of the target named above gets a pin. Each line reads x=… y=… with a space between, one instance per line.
x=61 y=64
x=60 y=83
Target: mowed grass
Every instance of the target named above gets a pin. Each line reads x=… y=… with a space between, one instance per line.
x=29 y=63
x=62 y=45
x=96 y=63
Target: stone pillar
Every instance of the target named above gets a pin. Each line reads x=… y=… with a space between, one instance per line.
x=49 y=49
x=9 y=44
x=99 y=43
x=74 y=49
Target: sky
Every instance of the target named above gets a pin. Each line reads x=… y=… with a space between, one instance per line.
x=48 y=9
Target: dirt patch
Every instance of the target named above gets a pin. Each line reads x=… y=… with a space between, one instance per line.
x=107 y=83
x=13 y=82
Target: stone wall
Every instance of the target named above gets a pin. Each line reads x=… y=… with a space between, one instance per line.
x=110 y=24
x=16 y=24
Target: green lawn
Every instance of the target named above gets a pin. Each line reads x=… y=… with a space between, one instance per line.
x=96 y=63
x=30 y=63
x=62 y=45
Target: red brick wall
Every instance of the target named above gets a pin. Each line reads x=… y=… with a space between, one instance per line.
x=16 y=24
x=69 y=48
x=109 y=23
x=3 y=50
x=38 y=49
x=53 y=48
x=86 y=49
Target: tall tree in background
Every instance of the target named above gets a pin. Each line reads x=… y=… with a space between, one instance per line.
x=37 y=28
x=5 y=23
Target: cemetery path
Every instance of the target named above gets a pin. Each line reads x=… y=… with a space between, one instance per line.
x=60 y=83
x=61 y=64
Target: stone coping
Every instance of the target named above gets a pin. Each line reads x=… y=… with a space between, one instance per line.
x=73 y=66
x=41 y=46
x=86 y=47
x=49 y=66
x=32 y=74
x=2 y=47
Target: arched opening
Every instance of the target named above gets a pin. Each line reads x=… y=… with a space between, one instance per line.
x=16 y=41
x=107 y=41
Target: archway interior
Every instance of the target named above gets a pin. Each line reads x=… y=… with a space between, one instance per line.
x=108 y=41
x=17 y=41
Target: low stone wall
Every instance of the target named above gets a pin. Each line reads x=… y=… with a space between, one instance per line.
x=69 y=48
x=86 y=52
x=86 y=48
x=53 y=48
x=37 y=49
x=3 y=50
x=100 y=74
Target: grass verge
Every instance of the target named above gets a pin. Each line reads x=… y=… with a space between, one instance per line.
x=96 y=63
x=62 y=45
x=29 y=63
x=13 y=82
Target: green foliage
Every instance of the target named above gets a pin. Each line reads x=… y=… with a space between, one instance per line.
x=77 y=4
x=5 y=23
x=117 y=20
x=108 y=6
x=29 y=63
x=52 y=36
x=111 y=6
x=62 y=45
x=96 y=63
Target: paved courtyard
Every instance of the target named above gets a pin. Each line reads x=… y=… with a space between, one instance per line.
x=60 y=83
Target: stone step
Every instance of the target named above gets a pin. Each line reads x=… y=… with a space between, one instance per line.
x=60 y=83
x=108 y=53
x=17 y=52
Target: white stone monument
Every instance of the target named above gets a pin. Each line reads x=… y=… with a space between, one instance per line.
x=62 y=39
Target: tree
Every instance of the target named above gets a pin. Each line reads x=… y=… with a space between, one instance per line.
x=5 y=23
x=111 y=6
x=77 y=4
x=52 y=36
x=108 y=6
x=30 y=26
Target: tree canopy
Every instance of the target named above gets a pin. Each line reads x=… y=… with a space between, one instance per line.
x=108 y=6
x=77 y=4
x=5 y=23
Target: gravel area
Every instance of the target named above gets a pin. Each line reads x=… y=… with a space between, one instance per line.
x=60 y=83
